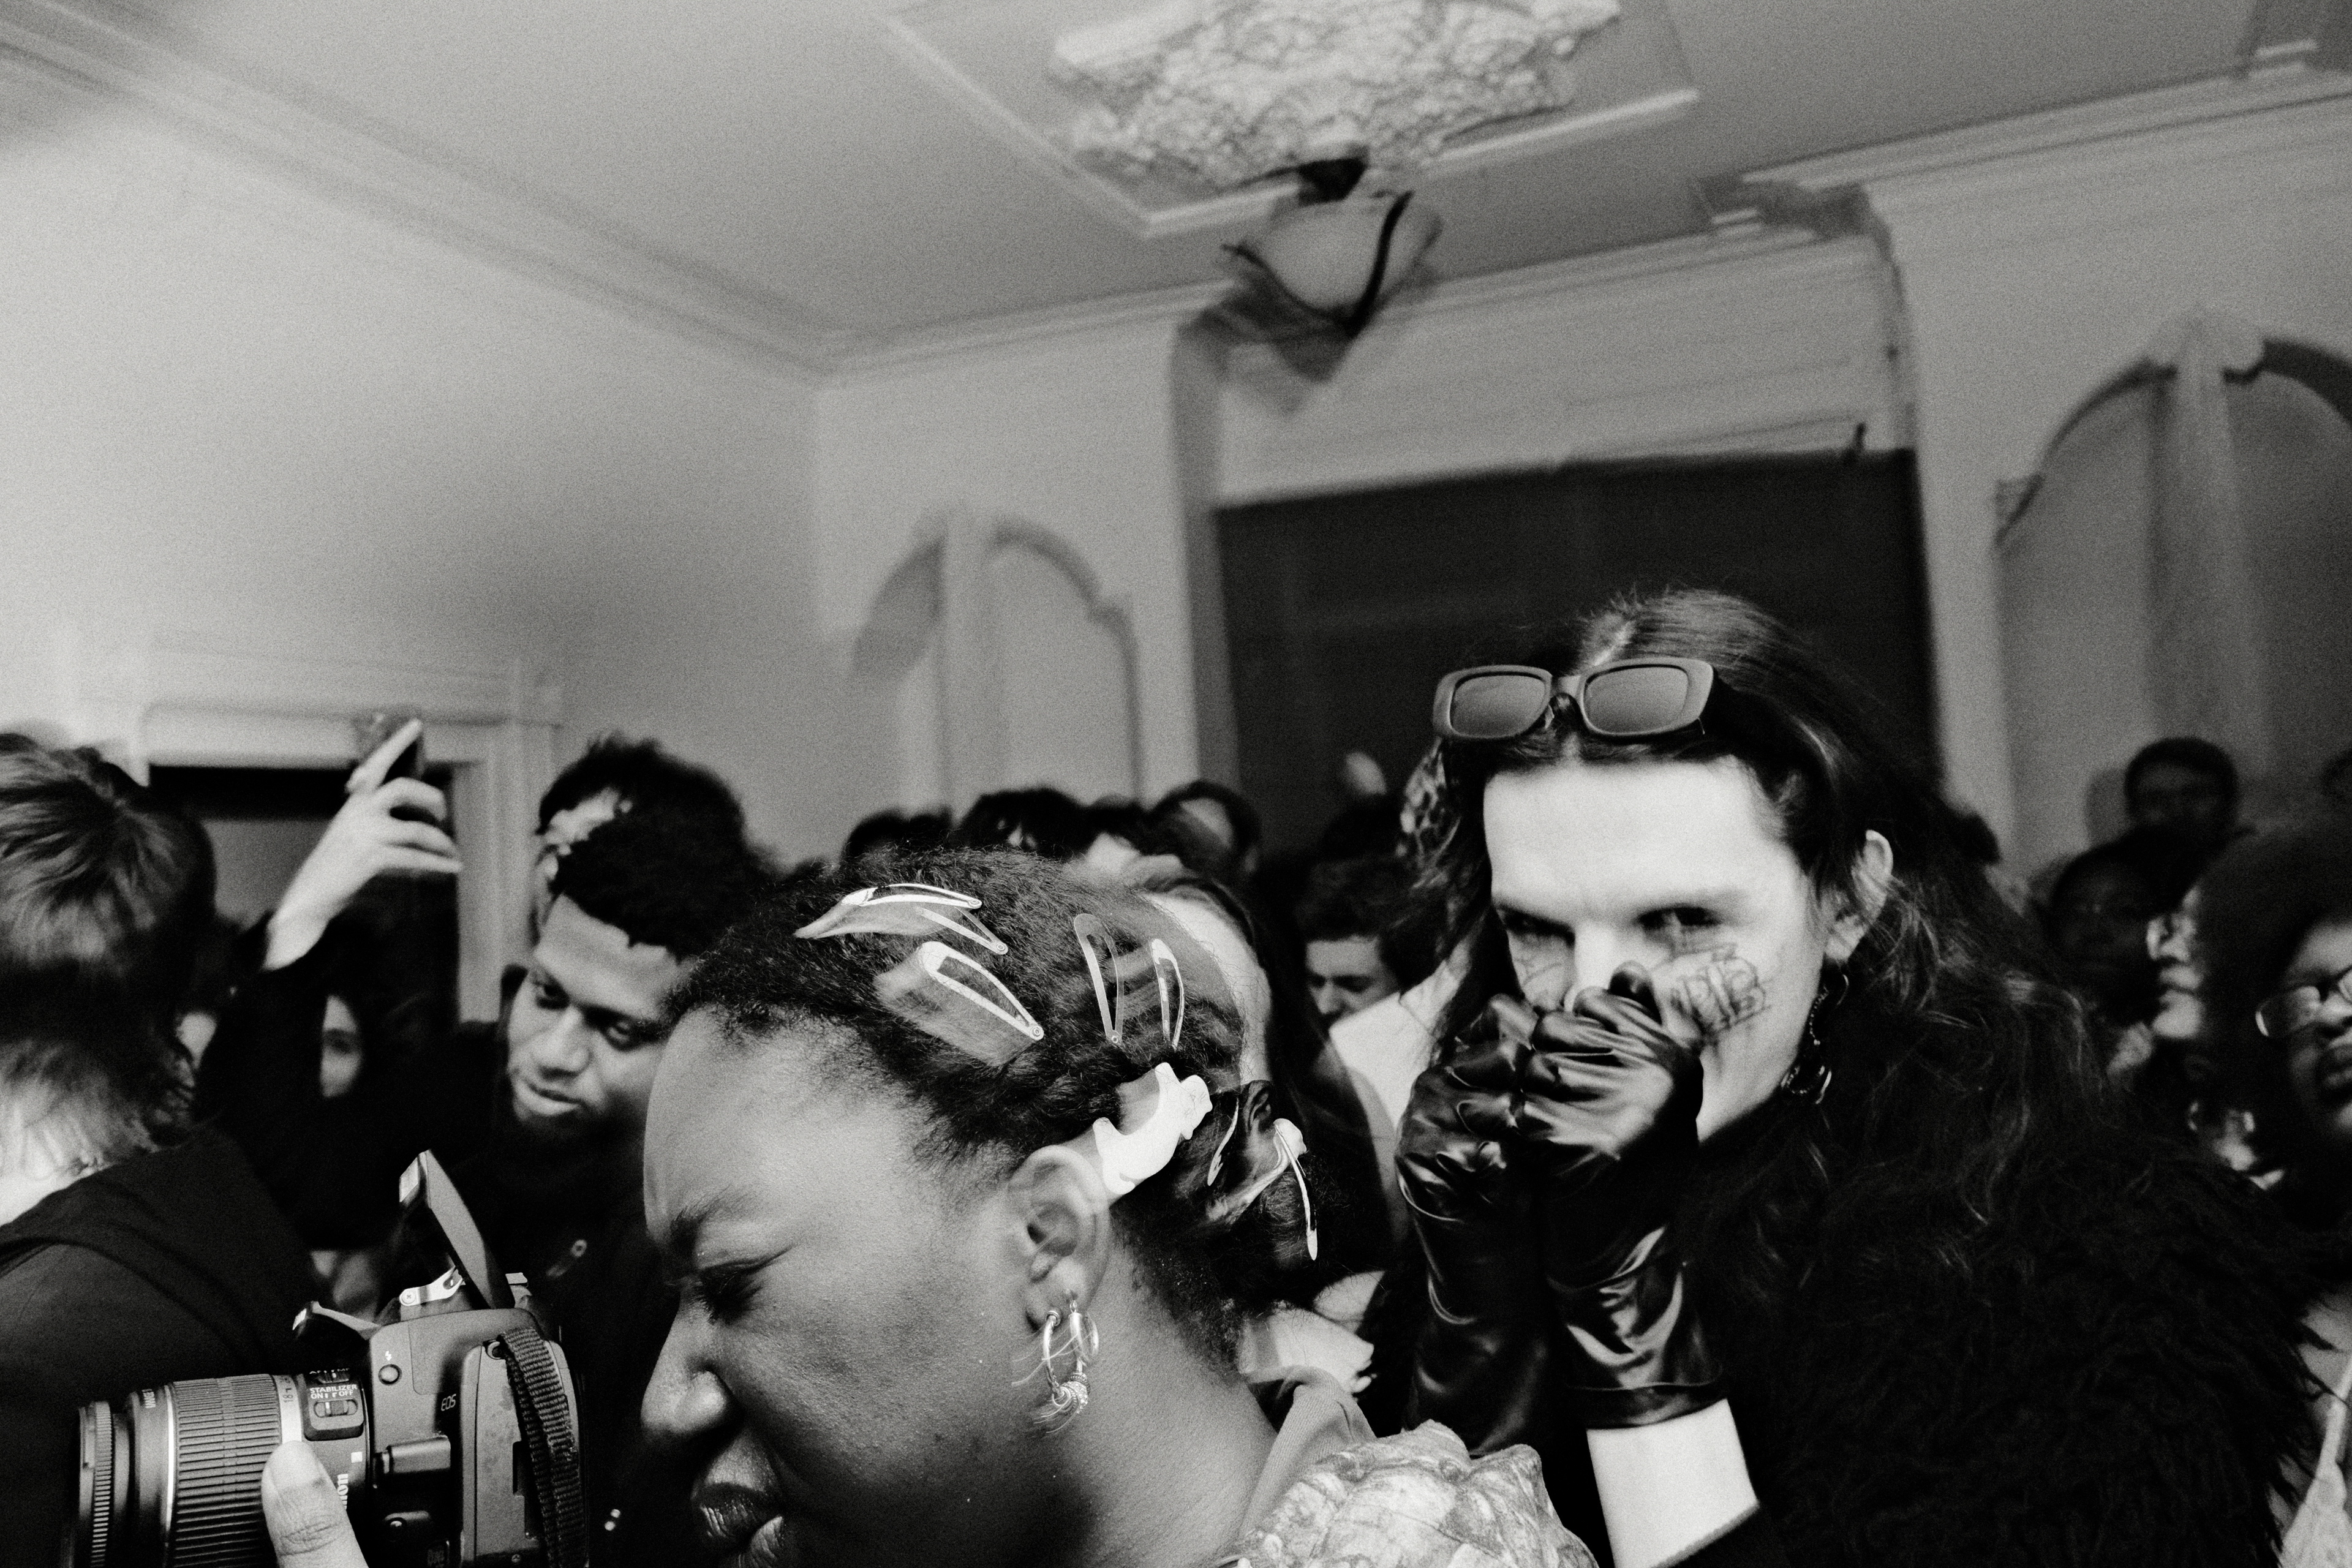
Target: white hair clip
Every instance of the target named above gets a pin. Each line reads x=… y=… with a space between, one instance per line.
x=1134 y=1153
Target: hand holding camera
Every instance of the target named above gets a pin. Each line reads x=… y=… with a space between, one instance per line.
x=389 y=822
x=445 y=1439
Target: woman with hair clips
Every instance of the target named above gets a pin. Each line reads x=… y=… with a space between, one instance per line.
x=967 y=1199
x=1772 y=1173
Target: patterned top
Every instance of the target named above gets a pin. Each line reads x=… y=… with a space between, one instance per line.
x=1414 y=1500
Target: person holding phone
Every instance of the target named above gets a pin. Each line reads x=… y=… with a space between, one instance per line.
x=1768 y=1188
x=540 y=1117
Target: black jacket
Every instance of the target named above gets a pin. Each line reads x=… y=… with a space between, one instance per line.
x=174 y=1265
x=569 y=1217
x=2105 y=1373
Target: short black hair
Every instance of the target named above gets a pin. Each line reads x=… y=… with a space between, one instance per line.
x=1247 y=829
x=1042 y=820
x=106 y=892
x=643 y=778
x=2183 y=751
x=2158 y=858
x=1352 y=898
x=667 y=880
x=896 y=832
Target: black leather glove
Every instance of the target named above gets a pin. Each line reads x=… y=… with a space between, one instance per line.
x=1481 y=1359
x=1607 y=1122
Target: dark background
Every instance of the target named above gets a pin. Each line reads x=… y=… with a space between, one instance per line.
x=1341 y=611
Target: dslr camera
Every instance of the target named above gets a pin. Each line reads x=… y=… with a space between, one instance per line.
x=451 y=1433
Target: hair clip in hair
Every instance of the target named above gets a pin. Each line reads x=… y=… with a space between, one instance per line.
x=900 y=909
x=1293 y=1145
x=955 y=998
x=1113 y=974
x=1139 y=1150
x=1268 y=1147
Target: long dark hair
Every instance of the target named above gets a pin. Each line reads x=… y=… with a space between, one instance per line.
x=1954 y=1058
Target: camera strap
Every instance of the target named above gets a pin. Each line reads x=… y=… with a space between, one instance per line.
x=551 y=1450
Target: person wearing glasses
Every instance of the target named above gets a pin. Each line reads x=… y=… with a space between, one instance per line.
x=1764 y=1185
x=2274 y=926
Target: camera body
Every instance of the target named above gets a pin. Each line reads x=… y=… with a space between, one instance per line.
x=450 y=1435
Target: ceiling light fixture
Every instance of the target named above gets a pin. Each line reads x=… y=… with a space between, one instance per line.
x=1217 y=95
x=1339 y=253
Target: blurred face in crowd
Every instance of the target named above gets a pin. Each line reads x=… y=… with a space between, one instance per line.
x=843 y=1374
x=2188 y=801
x=586 y=1031
x=2319 y=1054
x=1346 y=975
x=2098 y=927
x=1679 y=867
x=2179 y=973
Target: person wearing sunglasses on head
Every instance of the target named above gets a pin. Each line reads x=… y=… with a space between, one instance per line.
x=967 y=1197
x=1766 y=1187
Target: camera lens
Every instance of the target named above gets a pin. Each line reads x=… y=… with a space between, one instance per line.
x=175 y=1473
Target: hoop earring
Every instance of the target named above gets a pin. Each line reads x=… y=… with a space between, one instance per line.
x=1808 y=1077
x=1065 y=1397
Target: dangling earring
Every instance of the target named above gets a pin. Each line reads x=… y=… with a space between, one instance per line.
x=1065 y=1397
x=1808 y=1077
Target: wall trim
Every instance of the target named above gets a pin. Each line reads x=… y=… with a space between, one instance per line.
x=2253 y=99
x=425 y=189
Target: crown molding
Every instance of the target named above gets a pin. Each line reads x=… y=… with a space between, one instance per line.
x=926 y=345
x=360 y=162
x=2268 y=90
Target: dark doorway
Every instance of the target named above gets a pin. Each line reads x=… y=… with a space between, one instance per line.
x=1341 y=611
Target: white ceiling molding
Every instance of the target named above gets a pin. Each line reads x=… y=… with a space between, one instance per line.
x=2283 y=86
x=1670 y=97
x=369 y=165
x=982 y=336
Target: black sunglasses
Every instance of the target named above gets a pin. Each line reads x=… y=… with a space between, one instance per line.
x=1630 y=699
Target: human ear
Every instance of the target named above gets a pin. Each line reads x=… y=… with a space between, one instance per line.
x=1873 y=880
x=1061 y=1229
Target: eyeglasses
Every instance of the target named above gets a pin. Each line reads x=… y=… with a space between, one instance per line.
x=2288 y=1011
x=1630 y=699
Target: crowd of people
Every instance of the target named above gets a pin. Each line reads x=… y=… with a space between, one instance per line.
x=1655 y=1131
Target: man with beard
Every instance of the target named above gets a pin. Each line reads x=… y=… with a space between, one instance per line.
x=540 y=1117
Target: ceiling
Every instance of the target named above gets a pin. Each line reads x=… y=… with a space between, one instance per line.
x=791 y=153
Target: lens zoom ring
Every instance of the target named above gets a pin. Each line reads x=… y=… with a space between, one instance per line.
x=99 y=1421
x=228 y=1426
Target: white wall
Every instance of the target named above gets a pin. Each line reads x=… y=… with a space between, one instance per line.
x=1072 y=433
x=2033 y=275
x=1761 y=342
x=233 y=408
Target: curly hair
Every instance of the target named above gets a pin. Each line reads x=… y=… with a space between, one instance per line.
x=2256 y=904
x=675 y=881
x=1956 y=1060
x=770 y=990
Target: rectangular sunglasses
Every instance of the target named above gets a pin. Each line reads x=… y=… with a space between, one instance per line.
x=1630 y=699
